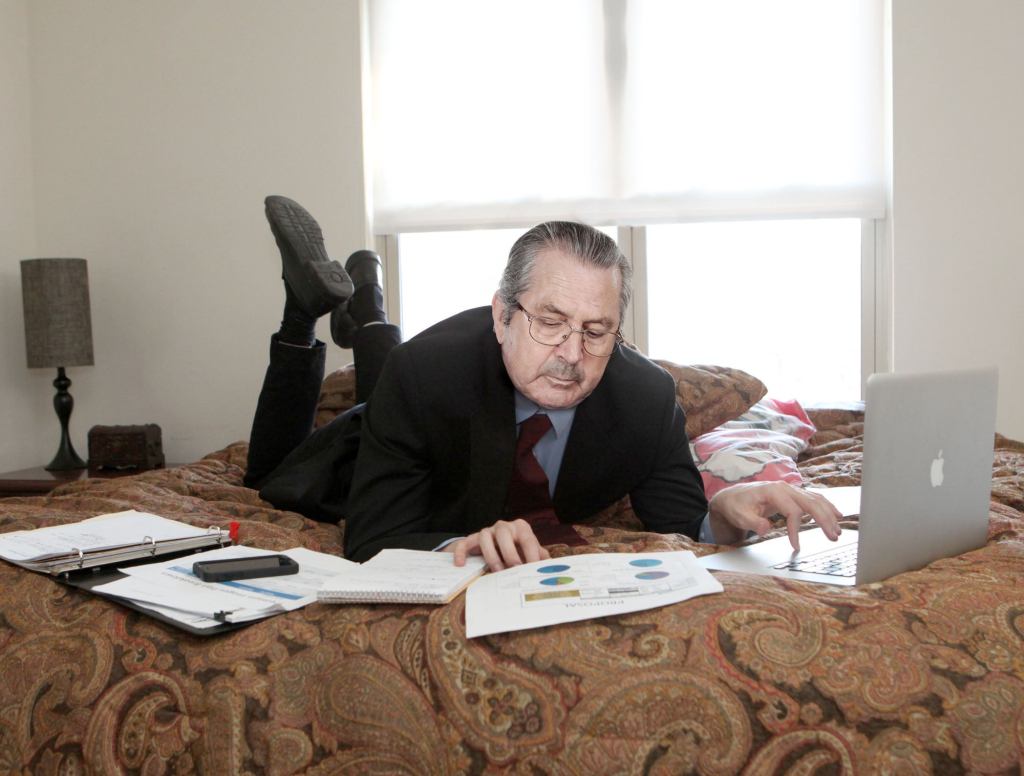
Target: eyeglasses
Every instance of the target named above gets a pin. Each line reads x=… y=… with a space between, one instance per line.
x=553 y=332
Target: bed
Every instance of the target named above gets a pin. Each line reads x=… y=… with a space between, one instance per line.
x=922 y=673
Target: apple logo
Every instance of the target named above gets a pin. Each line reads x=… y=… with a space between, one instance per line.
x=937 y=475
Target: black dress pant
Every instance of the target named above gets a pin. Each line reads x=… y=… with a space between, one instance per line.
x=293 y=466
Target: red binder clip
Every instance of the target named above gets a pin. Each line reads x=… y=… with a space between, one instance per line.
x=233 y=532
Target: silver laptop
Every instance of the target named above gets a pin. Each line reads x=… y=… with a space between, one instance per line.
x=926 y=482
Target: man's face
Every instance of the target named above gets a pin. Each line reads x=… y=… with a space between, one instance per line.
x=561 y=288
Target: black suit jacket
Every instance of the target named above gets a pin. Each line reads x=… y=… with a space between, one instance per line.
x=438 y=437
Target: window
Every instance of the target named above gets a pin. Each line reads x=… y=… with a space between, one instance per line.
x=749 y=295
x=442 y=273
x=737 y=144
x=780 y=300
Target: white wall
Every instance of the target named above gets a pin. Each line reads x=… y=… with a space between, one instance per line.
x=20 y=414
x=158 y=128
x=958 y=191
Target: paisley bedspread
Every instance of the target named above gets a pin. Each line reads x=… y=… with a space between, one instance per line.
x=922 y=673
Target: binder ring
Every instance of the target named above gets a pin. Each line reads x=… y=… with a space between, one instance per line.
x=152 y=544
x=81 y=556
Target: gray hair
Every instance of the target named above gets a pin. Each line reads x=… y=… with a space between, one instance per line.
x=584 y=242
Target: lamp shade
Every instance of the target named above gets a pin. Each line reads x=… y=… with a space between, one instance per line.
x=58 y=323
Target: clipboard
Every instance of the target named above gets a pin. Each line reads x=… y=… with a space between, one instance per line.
x=87 y=579
x=100 y=551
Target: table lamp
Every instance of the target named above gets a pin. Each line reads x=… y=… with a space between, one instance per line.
x=58 y=333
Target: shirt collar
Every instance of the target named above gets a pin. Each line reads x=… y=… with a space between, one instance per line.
x=561 y=420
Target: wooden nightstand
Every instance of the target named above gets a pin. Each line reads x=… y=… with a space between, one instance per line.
x=39 y=482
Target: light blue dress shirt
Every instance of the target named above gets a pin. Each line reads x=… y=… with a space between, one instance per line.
x=550 y=448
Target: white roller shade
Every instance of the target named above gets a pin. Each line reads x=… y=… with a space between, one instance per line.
x=486 y=113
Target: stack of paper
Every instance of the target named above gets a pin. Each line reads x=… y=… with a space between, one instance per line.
x=173 y=591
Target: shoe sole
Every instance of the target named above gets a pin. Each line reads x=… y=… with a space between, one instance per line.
x=319 y=283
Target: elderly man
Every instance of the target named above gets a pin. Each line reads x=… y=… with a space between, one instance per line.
x=495 y=430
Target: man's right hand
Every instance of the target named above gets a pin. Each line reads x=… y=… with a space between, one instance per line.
x=504 y=544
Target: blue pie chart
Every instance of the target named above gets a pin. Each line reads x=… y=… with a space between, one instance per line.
x=645 y=562
x=652 y=575
x=553 y=568
x=552 y=581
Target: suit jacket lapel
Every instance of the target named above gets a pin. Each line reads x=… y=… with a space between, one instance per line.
x=492 y=435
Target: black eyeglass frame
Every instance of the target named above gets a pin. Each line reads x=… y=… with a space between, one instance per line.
x=530 y=317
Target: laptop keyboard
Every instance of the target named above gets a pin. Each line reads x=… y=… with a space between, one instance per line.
x=840 y=562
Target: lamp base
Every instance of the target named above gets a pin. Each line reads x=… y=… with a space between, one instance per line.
x=66 y=458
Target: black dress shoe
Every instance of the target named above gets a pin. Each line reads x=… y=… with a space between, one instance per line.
x=318 y=283
x=364 y=267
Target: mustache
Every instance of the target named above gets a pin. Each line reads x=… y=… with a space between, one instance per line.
x=562 y=370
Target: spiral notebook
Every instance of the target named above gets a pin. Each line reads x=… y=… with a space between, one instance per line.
x=403 y=577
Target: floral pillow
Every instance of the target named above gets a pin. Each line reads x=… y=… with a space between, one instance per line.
x=761 y=445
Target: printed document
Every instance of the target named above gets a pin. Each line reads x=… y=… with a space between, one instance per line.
x=580 y=587
x=171 y=588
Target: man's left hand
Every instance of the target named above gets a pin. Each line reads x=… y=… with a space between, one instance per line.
x=735 y=510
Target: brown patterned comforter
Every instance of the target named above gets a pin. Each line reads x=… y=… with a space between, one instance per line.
x=923 y=673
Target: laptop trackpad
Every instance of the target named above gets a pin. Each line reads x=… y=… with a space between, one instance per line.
x=776 y=558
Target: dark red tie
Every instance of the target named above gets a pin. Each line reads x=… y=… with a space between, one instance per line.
x=528 y=495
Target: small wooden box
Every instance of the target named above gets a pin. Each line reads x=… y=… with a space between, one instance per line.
x=125 y=447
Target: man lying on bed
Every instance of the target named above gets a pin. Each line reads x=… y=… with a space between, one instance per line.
x=431 y=460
